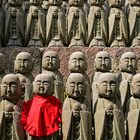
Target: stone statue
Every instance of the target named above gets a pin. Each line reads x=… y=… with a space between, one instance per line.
x=56 y=27
x=128 y=67
x=35 y=26
x=134 y=23
x=2 y=19
x=78 y=64
x=10 y=109
x=133 y=110
x=76 y=24
x=51 y=65
x=118 y=28
x=41 y=116
x=15 y=24
x=108 y=117
x=97 y=25
x=23 y=67
x=102 y=64
x=26 y=6
x=76 y=114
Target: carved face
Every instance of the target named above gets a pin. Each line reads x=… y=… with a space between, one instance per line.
x=128 y=62
x=35 y=12
x=76 y=87
x=106 y=85
x=43 y=84
x=55 y=12
x=50 y=61
x=13 y=12
x=23 y=63
x=77 y=62
x=135 y=85
x=97 y=2
x=102 y=62
x=76 y=13
x=10 y=86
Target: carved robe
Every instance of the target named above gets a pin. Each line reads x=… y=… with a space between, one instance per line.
x=97 y=28
x=133 y=118
x=76 y=27
x=134 y=25
x=103 y=122
x=35 y=29
x=15 y=28
x=74 y=128
x=118 y=30
x=124 y=80
x=56 y=27
x=10 y=121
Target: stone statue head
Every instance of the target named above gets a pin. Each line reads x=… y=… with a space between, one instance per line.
x=34 y=10
x=97 y=2
x=128 y=62
x=50 y=61
x=116 y=3
x=15 y=2
x=55 y=11
x=23 y=63
x=135 y=85
x=2 y=63
x=77 y=62
x=45 y=4
x=36 y=2
x=135 y=2
x=26 y=5
x=10 y=86
x=102 y=61
x=55 y=2
x=106 y=85
x=76 y=86
x=75 y=2
x=43 y=84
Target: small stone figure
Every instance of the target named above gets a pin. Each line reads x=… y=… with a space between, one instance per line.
x=128 y=67
x=41 y=116
x=118 y=26
x=51 y=65
x=78 y=64
x=133 y=110
x=76 y=114
x=56 y=27
x=76 y=24
x=10 y=109
x=23 y=67
x=35 y=26
x=45 y=6
x=102 y=64
x=108 y=117
x=97 y=25
x=134 y=23
x=15 y=24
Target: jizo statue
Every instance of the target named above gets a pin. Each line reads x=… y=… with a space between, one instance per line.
x=118 y=26
x=14 y=24
x=76 y=24
x=128 y=67
x=108 y=116
x=78 y=64
x=10 y=109
x=102 y=64
x=97 y=25
x=76 y=114
x=35 y=27
x=134 y=23
x=51 y=65
x=133 y=109
x=41 y=115
x=23 y=67
x=56 y=27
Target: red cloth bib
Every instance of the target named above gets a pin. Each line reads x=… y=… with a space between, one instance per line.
x=41 y=116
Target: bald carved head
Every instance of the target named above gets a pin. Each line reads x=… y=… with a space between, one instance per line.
x=77 y=62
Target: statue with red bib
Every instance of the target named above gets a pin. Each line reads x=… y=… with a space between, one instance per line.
x=41 y=115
